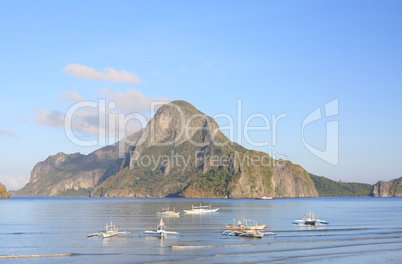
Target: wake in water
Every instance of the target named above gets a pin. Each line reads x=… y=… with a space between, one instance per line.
x=36 y=256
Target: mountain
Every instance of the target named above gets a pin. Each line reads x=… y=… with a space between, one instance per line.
x=3 y=192
x=74 y=174
x=329 y=188
x=180 y=153
x=391 y=188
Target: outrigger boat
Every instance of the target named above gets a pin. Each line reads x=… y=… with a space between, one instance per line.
x=309 y=220
x=160 y=231
x=244 y=233
x=244 y=225
x=167 y=212
x=202 y=209
x=243 y=229
x=265 y=198
x=110 y=231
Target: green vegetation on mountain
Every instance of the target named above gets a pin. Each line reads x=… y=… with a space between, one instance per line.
x=3 y=192
x=213 y=184
x=396 y=188
x=180 y=153
x=329 y=188
x=81 y=192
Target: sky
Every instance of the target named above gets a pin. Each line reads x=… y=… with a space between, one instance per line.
x=328 y=72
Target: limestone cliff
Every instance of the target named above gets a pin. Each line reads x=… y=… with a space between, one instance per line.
x=181 y=152
x=3 y=192
x=73 y=174
x=387 y=189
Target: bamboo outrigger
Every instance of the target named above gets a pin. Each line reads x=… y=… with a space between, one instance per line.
x=160 y=231
x=110 y=231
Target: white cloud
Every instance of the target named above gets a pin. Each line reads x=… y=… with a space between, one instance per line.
x=109 y=74
x=86 y=118
x=128 y=102
x=13 y=183
x=9 y=133
x=71 y=97
x=48 y=118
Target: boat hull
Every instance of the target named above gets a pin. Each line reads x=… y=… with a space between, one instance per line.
x=249 y=234
x=239 y=228
x=310 y=222
x=168 y=213
x=109 y=234
x=201 y=211
x=265 y=198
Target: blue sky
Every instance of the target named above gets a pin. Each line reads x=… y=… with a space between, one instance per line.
x=276 y=57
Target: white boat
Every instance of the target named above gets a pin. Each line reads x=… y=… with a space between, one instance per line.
x=309 y=220
x=265 y=198
x=243 y=229
x=245 y=233
x=110 y=231
x=201 y=209
x=167 y=212
x=160 y=231
x=244 y=225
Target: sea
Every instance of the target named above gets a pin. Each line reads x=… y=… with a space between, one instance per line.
x=55 y=229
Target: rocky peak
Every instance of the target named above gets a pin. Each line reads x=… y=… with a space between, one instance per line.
x=175 y=123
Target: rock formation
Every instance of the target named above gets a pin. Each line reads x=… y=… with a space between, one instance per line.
x=3 y=192
x=181 y=152
x=387 y=189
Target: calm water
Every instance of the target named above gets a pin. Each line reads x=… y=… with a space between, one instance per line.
x=360 y=230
